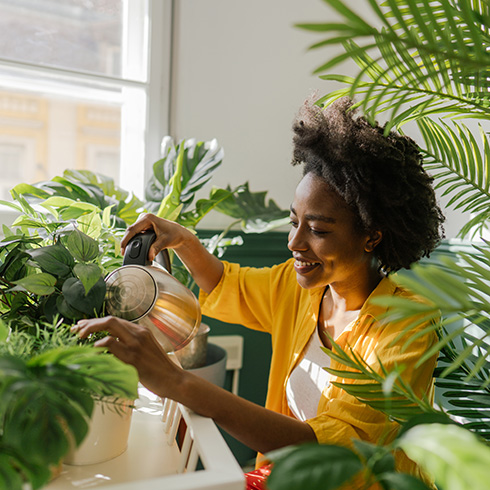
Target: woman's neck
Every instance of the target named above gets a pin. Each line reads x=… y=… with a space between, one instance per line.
x=341 y=306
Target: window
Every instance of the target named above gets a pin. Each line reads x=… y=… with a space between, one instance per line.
x=75 y=81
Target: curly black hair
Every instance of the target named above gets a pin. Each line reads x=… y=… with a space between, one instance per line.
x=380 y=177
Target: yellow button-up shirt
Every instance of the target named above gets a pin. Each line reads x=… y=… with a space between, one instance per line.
x=271 y=300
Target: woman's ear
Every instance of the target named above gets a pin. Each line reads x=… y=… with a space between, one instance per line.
x=373 y=241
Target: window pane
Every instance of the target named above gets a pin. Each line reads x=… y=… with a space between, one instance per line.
x=41 y=136
x=83 y=35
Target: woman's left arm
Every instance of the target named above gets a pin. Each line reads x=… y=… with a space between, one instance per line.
x=257 y=427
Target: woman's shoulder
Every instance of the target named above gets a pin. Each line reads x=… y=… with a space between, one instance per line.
x=393 y=306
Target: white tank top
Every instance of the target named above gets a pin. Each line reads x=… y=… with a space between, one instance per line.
x=307 y=380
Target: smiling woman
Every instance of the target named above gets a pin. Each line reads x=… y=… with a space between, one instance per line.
x=364 y=207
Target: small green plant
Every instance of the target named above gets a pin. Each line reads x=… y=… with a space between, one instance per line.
x=48 y=386
x=61 y=275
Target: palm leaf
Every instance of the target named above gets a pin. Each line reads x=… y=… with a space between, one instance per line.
x=456 y=287
x=437 y=51
x=461 y=167
x=385 y=391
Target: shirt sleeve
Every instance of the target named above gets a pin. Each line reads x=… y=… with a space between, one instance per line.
x=245 y=296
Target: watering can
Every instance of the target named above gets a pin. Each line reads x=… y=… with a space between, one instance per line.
x=146 y=292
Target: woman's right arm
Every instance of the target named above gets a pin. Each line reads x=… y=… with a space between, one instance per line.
x=205 y=268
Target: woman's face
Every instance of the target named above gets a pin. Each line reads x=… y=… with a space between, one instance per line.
x=324 y=240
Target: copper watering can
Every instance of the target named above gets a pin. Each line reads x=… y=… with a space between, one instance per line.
x=147 y=293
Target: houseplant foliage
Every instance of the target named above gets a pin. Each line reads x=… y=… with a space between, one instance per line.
x=93 y=204
x=425 y=63
x=171 y=192
x=52 y=263
x=48 y=385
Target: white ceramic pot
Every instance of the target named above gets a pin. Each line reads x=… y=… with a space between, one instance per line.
x=108 y=434
x=214 y=369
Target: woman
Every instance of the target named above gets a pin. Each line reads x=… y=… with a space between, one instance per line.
x=364 y=208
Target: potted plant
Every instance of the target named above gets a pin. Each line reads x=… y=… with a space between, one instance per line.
x=66 y=239
x=81 y=202
x=51 y=275
x=427 y=64
x=48 y=387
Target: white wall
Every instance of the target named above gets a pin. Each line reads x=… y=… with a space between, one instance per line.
x=240 y=72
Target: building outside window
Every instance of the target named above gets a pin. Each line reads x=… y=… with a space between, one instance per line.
x=75 y=81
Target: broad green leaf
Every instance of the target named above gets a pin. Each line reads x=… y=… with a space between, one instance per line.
x=89 y=274
x=170 y=206
x=83 y=247
x=402 y=481
x=455 y=457
x=58 y=201
x=91 y=224
x=251 y=208
x=41 y=284
x=204 y=206
x=28 y=189
x=54 y=259
x=90 y=303
x=64 y=309
x=78 y=209
x=314 y=467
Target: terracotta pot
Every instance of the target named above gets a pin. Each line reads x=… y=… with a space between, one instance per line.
x=108 y=434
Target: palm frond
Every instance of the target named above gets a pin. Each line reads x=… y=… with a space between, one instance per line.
x=458 y=289
x=461 y=167
x=444 y=66
x=464 y=385
x=463 y=395
x=386 y=392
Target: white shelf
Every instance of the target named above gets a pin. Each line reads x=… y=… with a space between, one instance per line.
x=153 y=458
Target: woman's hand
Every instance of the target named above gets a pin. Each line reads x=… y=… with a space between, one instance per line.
x=257 y=427
x=205 y=268
x=168 y=233
x=134 y=344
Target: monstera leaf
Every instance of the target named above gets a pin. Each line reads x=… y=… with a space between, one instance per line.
x=192 y=162
x=76 y=190
x=251 y=209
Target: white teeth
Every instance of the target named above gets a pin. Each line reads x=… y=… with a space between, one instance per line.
x=304 y=264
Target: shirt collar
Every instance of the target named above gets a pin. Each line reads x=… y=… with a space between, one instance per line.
x=386 y=287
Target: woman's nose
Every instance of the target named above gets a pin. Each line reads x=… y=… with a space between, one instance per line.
x=295 y=240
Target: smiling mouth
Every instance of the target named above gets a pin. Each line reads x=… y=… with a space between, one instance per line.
x=303 y=267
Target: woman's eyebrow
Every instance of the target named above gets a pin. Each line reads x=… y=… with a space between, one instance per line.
x=315 y=217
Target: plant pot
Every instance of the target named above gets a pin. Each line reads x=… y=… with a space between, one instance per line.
x=214 y=369
x=108 y=434
x=193 y=355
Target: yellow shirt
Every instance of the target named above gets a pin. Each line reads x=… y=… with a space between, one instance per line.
x=271 y=300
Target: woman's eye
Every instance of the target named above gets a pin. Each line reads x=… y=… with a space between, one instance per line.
x=319 y=232
x=293 y=223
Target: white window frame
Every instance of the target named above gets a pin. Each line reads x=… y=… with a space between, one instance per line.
x=144 y=122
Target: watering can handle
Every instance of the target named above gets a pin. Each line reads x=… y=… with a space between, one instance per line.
x=136 y=252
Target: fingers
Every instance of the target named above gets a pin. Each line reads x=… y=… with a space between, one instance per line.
x=116 y=327
x=115 y=347
x=144 y=222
